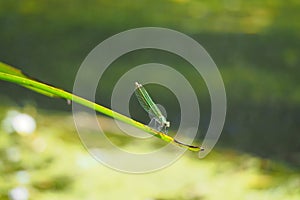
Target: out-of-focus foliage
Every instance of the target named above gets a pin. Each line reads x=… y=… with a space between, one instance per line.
x=51 y=164
x=255 y=44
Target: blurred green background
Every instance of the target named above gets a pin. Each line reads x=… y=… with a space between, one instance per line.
x=256 y=46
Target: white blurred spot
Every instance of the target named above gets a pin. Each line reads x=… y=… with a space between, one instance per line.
x=19 y=193
x=6 y=123
x=39 y=144
x=23 y=124
x=13 y=154
x=23 y=177
x=85 y=162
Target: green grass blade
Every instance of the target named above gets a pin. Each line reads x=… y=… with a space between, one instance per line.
x=16 y=72
x=10 y=74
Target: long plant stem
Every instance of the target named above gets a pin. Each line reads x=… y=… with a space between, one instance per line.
x=26 y=82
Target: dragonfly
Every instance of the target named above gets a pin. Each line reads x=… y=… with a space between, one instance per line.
x=158 y=120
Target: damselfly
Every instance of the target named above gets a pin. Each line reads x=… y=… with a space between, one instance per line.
x=158 y=121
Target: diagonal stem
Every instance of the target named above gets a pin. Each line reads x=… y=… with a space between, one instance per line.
x=29 y=83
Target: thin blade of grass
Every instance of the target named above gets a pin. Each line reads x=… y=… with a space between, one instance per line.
x=10 y=74
x=16 y=72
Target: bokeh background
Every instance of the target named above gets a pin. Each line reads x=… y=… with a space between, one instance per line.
x=255 y=44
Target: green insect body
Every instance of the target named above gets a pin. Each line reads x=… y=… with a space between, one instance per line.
x=157 y=118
